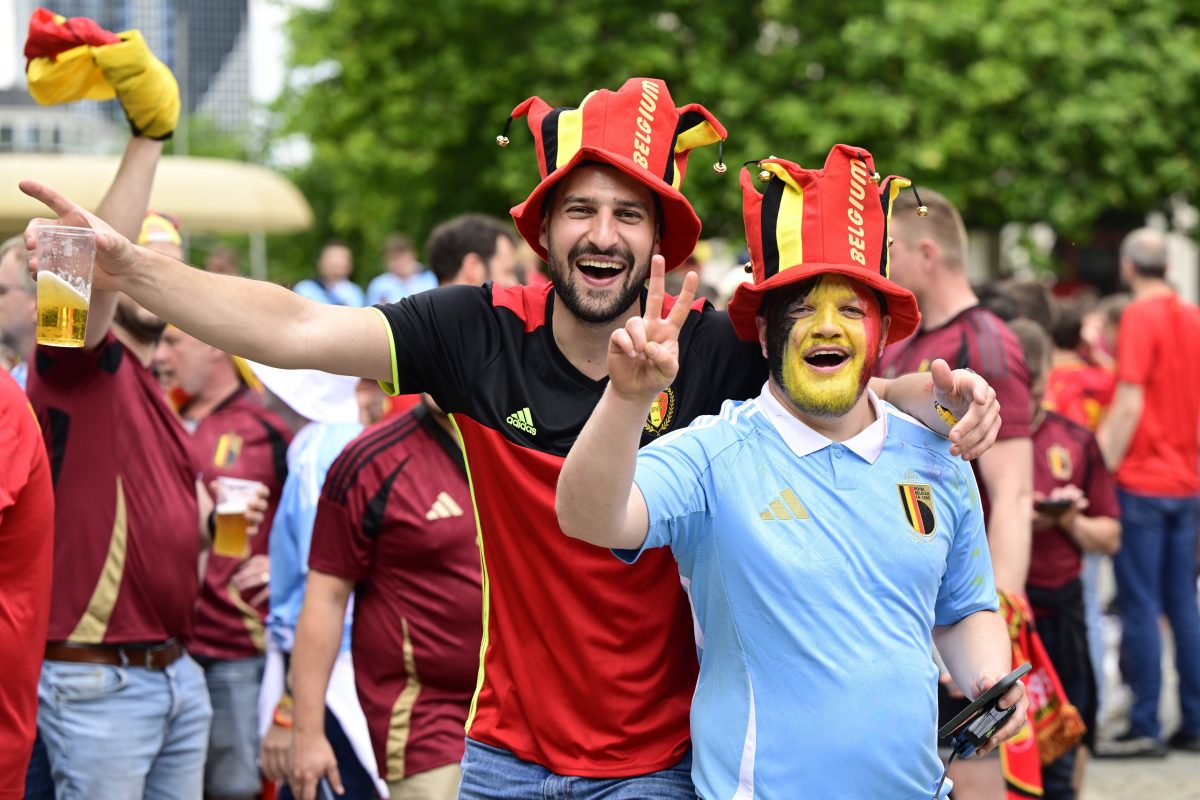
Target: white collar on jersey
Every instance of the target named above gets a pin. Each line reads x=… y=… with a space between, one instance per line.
x=803 y=440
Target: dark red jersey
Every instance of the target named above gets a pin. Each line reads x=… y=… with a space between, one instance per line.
x=239 y=439
x=976 y=339
x=26 y=559
x=1066 y=454
x=126 y=530
x=1158 y=349
x=395 y=517
x=588 y=664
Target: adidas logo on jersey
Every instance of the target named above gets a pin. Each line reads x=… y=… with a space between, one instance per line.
x=523 y=420
x=444 y=507
x=784 y=507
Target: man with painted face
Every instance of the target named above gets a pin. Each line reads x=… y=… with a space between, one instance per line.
x=826 y=539
x=588 y=667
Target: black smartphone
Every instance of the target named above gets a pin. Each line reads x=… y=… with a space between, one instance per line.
x=1056 y=506
x=325 y=790
x=985 y=702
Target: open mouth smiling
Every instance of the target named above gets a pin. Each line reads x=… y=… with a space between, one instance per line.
x=600 y=267
x=826 y=359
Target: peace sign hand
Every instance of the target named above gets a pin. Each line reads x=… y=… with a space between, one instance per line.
x=643 y=357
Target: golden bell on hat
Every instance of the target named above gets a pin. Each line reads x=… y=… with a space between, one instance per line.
x=922 y=211
x=502 y=140
x=720 y=168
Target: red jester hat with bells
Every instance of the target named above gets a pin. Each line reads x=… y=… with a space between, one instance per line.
x=637 y=130
x=810 y=222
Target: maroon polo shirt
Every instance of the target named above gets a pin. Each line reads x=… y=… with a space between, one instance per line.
x=977 y=339
x=1066 y=454
x=126 y=537
x=239 y=439
x=396 y=518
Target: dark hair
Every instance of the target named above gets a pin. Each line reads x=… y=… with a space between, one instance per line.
x=1066 y=332
x=1033 y=301
x=455 y=239
x=398 y=243
x=1035 y=343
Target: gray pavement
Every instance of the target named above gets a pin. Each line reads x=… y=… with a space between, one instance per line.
x=1176 y=777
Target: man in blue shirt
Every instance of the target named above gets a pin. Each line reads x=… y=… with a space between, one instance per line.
x=332 y=285
x=404 y=275
x=826 y=540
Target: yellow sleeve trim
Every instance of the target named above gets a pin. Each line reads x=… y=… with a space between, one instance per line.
x=390 y=388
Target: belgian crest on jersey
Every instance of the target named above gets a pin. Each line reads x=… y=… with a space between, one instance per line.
x=1058 y=458
x=662 y=411
x=916 y=500
x=229 y=447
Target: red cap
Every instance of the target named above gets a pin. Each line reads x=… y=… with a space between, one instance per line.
x=810 y=222
x=637 y=130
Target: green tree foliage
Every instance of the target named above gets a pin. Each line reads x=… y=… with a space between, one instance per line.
x=1017 y=109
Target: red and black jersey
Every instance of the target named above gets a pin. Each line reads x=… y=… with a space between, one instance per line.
x=977 y=339
x=395 y=518
x=1066 y=454
x=126 y=524
x=588 y=664
x=238 y=439
x=26 y=558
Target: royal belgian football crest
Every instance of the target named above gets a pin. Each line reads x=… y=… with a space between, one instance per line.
x=662 y=411
x=229 y=447
x=1058 y=458
x=916 y=500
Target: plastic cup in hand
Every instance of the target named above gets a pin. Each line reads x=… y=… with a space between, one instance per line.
x=65 y=257
x=234 y=495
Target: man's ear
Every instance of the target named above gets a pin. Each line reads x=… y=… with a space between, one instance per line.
x=884 y=326
x=544 y=233
x=930 y=253
x=760 y=322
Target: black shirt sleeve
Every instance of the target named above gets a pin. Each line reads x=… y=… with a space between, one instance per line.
x=442 y=340
x=737 y=367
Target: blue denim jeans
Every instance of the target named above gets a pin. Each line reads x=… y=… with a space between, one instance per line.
x=125 y=733
x=232 y=766
x=1156 y=574
x=489 y=773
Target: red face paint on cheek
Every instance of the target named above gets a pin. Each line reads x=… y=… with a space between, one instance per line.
x=872 y=323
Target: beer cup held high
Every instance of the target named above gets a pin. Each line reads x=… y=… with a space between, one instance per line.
x=64 y=283
x=234 y=496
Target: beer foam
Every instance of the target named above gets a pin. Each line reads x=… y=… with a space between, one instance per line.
x=53 y=290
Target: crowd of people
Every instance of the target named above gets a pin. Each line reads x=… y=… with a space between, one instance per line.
x=880 y=489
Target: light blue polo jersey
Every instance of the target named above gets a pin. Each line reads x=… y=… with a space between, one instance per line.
x=816 y=570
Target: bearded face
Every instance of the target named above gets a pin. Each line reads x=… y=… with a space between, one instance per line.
x=599 y=233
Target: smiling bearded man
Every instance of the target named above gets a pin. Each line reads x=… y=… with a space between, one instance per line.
x=825 y=539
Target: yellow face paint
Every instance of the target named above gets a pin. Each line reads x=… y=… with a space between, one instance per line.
x=832 y=346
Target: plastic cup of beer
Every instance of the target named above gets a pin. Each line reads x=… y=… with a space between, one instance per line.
x=64 y=283
x=234 y=495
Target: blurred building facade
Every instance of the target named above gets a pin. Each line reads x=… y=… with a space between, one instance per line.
x=206 y=43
